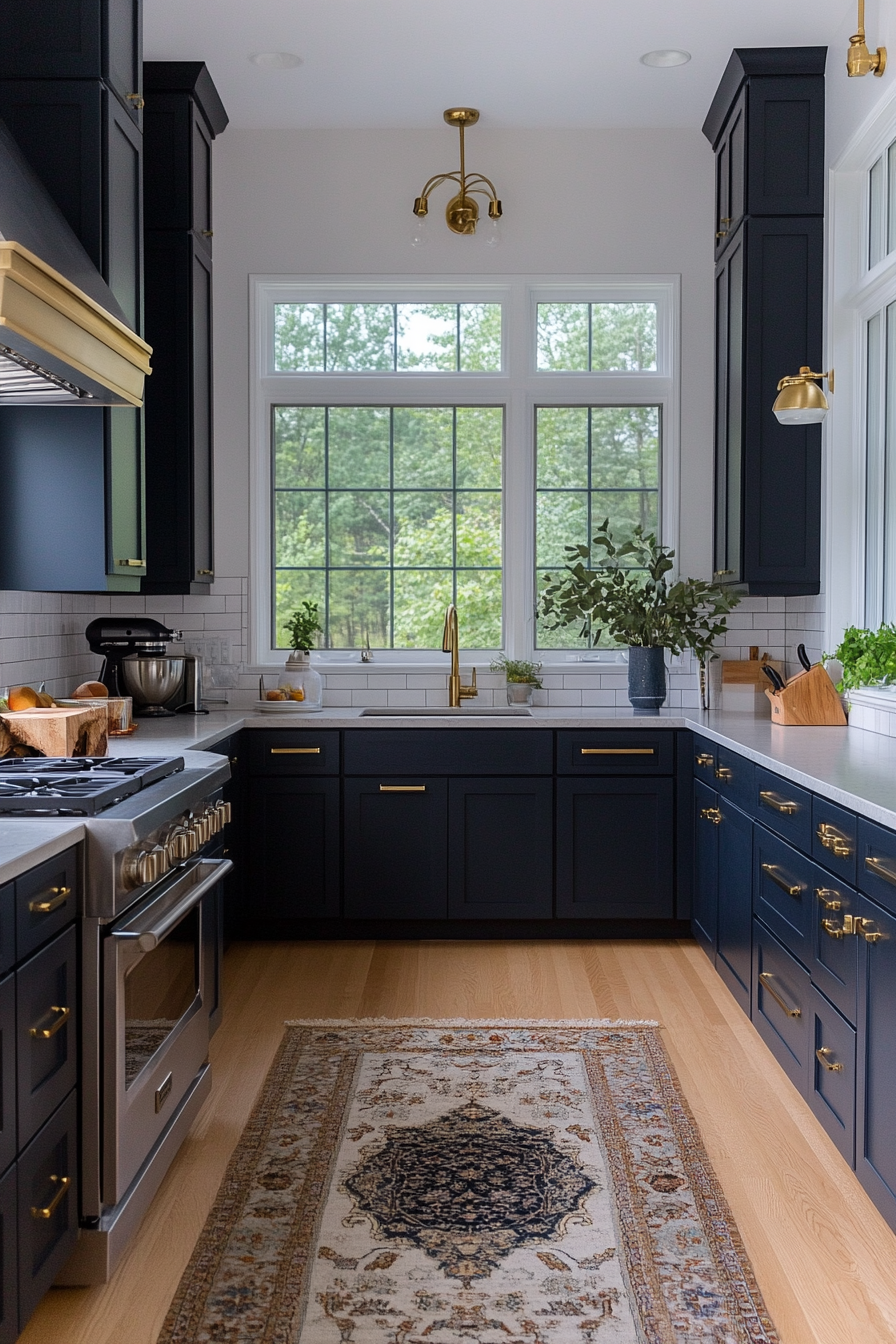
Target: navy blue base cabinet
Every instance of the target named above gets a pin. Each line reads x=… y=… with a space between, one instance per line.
x=396 y=848
x=292 y=868
x=615 y=848
x=500 y=848
x=876 y=1082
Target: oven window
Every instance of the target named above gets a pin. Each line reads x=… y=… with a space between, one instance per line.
x=158 y=992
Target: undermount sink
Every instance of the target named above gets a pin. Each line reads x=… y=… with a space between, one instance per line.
x=444 y=712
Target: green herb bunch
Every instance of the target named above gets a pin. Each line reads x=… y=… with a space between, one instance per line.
x=303 y=627
x=518 y=670
x=868 y=657
x=626 y=592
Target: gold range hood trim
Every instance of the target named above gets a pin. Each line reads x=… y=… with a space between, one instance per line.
x=68 y=333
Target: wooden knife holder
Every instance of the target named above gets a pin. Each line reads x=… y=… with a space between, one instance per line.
x=809 y=700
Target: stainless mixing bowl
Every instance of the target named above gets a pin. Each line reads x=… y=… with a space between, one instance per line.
x=152 y=681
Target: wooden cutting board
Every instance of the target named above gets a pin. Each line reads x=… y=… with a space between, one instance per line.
x=56 y=732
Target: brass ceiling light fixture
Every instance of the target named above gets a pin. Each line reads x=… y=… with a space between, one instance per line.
x=859 y=60
x=800 y=401
x=462 y=211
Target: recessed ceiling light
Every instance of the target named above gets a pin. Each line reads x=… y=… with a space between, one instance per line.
x=276 y=60
x=664 y=58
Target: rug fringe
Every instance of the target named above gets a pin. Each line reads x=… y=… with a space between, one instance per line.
x=459 y=1022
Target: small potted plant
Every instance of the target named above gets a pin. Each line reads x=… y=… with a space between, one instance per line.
x=521 y=676
x=867 y=657
x=626 y=593
x=300 y=683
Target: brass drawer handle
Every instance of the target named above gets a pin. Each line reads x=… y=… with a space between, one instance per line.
x=779 y=804
x=295 y=751
x=822 y=1056
x=773 y=871
x=722 y=233
x=206 y=573
x=834 y=930
x=834 y=841
x=766 y=978
x=880 y=868
x=712 y=814
x=402 y=788
x=207 y=233
x=137 y=99
x=59 y=897
x=864 y=928
x=44 y=1033
x=63 y=1183
x=724 y=773
x=824 y=894
x=618 y=751
x=704 y=759
x=132 y=564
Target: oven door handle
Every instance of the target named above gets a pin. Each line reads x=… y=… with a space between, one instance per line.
x=148 y=935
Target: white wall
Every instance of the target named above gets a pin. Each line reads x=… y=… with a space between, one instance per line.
x=332 y=202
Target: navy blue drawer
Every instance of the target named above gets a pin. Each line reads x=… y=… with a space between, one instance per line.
x=832 y=1094
x=781 y=1005
x=46 y=900
x=733 y=777
x=614 y=752
x=449 y=751
x=877 y=863
x=835 y=838
x=704 y=754
x=784 y=807
x=783 y=891
x=294 y=751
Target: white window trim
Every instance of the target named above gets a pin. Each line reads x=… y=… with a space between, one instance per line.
x=520 y=387
x=855 y=293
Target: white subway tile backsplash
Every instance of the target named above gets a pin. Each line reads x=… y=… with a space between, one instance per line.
x=407 y=698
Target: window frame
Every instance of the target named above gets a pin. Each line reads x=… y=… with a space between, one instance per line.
x=520 y=387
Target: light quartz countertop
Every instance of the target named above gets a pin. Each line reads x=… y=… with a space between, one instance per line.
x=850 y=766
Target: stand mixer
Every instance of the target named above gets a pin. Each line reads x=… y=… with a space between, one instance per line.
x=118 y=638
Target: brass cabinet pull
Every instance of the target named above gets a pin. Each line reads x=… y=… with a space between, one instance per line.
x=402 y=788
x=864 y=928
x=703 y=758
x=779 y=804
x=834 y=841
x=206 y=573
x=880 y=868
x=824 y=894
x=722 y=233
x=724 y=773
x=207 y=233
x=63 y=1183
x=44 y=1033
x=712 y=814
x=132 y=564
x=773 y=871
x=58 y=897
x=295 y=751
x=834 y=930
x=821 y=1054
x=766 y=978
x=137 y=99
x=618 y=751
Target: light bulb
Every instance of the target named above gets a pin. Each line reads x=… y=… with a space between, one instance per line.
x=419 y=232
x=492 y=233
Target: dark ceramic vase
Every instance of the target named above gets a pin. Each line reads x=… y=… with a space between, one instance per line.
x=646 y=679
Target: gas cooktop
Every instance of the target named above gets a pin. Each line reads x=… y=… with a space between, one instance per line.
x=82 y=786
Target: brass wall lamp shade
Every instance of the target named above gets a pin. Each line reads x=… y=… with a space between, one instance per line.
x=462 y=211
x=859 y=60
x=800 y=400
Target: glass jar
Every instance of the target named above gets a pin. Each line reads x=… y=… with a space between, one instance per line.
x=301 y=684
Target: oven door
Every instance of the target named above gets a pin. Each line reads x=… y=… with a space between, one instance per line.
x=159 y=978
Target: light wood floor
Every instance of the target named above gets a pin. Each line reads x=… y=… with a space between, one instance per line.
x=824 y=1258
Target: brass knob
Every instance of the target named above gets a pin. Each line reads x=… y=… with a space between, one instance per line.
x=723 y=773
x=712 y=814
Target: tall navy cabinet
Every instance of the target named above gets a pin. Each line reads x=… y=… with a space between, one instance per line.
x=70 y=74
x=766 y=126
x=183 y=116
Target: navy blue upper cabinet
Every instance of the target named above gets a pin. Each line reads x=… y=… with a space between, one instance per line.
x=766 y=125
x=76 y=39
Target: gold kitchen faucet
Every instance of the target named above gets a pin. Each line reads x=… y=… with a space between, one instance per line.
x=450 y=643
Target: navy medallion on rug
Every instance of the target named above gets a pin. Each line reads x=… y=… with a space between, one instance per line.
x=469 y=1183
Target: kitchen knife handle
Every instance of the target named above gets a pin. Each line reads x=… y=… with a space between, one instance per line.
x=803 y=657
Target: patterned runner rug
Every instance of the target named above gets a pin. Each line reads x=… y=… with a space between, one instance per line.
x=470 y=1183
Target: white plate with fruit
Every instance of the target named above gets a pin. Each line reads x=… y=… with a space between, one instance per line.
x=281 y=702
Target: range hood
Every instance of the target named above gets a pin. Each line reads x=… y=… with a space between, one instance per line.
x=63 y=338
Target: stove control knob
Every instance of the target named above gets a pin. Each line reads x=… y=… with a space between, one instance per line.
x=222 y=811
x=151 y=865
x=199 y=832
x=177 y=845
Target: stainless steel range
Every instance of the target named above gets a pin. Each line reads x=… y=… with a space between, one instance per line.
x=151 y=935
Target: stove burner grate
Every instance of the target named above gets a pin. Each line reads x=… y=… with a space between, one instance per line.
x=81 y=785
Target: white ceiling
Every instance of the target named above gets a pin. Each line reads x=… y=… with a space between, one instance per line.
x=524 y=63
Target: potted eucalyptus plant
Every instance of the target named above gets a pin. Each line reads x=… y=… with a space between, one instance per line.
x=521 y=676
x=624 y=589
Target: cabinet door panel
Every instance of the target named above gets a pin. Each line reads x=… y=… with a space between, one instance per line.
x=46 y=1242
x=781 y=999
x=729 y=411
x=396 y=848
x=785 y=169
x=877 y=863
x=9 y=1286
x=705 y=918
x=615 y=848
x=784 y=892
x=832 y=1066
x=8 y=1119
x=876 y=1066
x=293 y=849
x=500 y=848
x=735 y=901
x=47 y=1031
x=124 y=46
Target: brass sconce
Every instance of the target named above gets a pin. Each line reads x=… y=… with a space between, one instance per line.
x=800 y=401
x=462 y=211
x=859 y=60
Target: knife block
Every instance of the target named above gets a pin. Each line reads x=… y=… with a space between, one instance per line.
x=808 y=700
